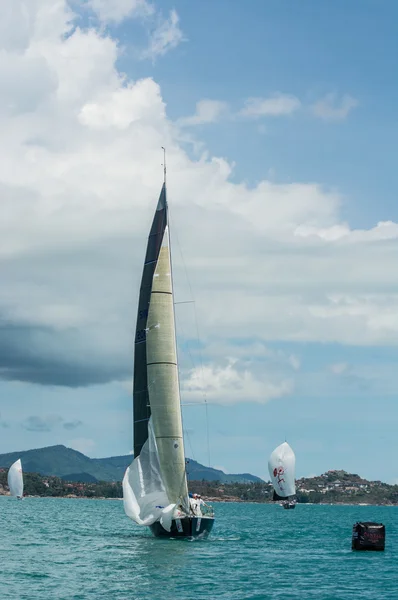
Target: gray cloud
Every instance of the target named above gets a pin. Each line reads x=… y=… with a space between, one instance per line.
x=72 y=424
x=39 y=354
x=347 y=376
x=3 y=424
x=42 y=424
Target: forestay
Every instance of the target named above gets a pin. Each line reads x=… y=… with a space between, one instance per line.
x=282 y=466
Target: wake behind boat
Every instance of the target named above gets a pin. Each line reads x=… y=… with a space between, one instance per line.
x=281 y=466
x=15 y=479
x=155 y=490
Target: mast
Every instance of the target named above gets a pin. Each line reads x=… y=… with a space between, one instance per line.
x=164 y=165
x=184 y=484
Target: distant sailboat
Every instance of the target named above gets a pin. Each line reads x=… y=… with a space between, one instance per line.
x=15 y=479
x=155 y=490
x=281 y=466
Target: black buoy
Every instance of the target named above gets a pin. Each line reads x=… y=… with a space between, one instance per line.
x=368 y=536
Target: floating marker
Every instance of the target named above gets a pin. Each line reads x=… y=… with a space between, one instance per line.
x=368 y=536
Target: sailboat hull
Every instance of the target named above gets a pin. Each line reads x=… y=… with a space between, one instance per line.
x=289 y=505
x=187 y=527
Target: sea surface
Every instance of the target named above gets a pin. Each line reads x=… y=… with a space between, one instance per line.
x=71 y=549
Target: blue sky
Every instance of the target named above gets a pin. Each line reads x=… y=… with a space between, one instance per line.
x=280 y=121
x=308 y=49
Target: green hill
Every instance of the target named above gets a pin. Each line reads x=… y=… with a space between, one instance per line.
x=197 y=472
x=333 y=487
x=58 y=461
x=64 y=462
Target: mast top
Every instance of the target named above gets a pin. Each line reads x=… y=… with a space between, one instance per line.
x=164 y=164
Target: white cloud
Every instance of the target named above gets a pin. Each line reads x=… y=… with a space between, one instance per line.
x=329 y=108
x=332 y=108
x=207 y=111
x=294 y=362
x=384 y=230
x=210 y=111
x=122 y=107
x=166 y=36
x=83 y=445
x=221 y=468
x=231 y=384
x=118 y=10
x=164 y=33
x=273 y=106
x=79 y=176
x=339 y=368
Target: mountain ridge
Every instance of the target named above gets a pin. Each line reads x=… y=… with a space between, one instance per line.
x=61 y=461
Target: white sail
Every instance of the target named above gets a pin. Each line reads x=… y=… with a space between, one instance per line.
x=282 y=466
x=144 y=495
x=15 y=479
x=163 y=386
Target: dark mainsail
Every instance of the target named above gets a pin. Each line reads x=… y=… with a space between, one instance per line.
x=142 y=411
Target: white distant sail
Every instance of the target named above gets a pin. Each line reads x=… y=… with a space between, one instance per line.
x=15 y=479
x=282 y=470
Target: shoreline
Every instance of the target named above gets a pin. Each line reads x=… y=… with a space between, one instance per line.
x=215 y=500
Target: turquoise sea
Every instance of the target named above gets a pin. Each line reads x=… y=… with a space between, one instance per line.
x=70 y=549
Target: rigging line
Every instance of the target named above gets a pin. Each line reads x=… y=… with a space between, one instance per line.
x=178 y=324
x=192 y=403
x=186 y=502
x=199 y=345
x=180 y=329
x=207 y=431
x=182 y=404
x=190 y=444
x=203 y=381
x=190 y=302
